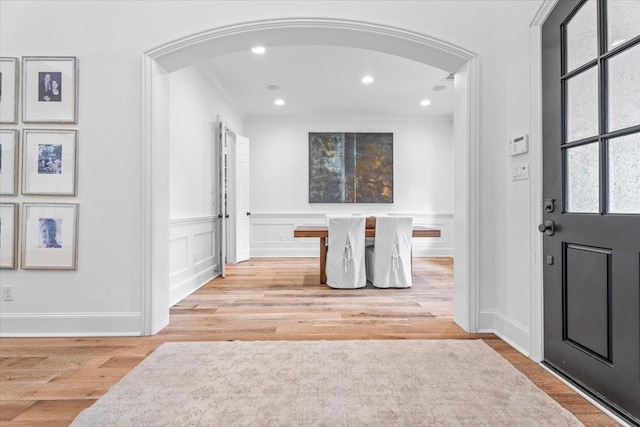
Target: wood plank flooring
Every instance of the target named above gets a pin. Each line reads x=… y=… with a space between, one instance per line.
x=48 y=381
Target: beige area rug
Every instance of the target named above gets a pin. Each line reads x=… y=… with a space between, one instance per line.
x=325 y=383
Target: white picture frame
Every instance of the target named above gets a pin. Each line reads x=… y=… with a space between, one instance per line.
x=9 y=146
x=49 y=162
x=50 y=236
x=9 y=90
x=8 y=235
x=49 y=89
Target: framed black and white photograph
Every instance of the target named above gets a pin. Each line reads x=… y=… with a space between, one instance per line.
x=8 y=90
x=50 y=236
x=8 y=235
x=9 y=162
x=49 y=89
x=49 y=162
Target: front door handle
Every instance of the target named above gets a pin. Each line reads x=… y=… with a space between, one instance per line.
x=548 y=227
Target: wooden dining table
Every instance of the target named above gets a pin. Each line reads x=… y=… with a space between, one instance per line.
x=322 y=232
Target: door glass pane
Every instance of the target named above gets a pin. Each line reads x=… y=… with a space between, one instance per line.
x=582 y=189
x=623 y=20
x=582 y=42
x=624 y=174
x=624 y=89
x=582 y=105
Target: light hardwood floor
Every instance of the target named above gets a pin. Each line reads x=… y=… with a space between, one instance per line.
x=48 y=381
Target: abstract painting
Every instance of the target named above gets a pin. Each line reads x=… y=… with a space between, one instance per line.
x=350 y=167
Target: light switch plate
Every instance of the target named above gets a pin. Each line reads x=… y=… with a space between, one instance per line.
x=520 y=171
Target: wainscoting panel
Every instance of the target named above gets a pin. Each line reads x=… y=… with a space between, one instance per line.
x=272 y=234
x=193 y=259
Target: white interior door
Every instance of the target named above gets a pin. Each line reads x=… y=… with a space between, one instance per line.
x=243 y=219
x=235 y=216
x=231 y=213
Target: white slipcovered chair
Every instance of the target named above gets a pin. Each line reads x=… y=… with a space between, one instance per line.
x=389 y=260
x=345 y=253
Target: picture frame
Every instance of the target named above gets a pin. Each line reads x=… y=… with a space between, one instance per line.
x=9 y=90
x=9 y=146
x=49 y=162
x=50 y=236
x=49 y=89
x=8 y=235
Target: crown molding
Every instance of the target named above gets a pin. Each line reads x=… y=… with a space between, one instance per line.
x=219 y=87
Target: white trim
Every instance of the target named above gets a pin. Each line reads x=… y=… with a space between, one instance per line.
x=473 y=179
x=146 y=226
x=543 y=13
x=193 y=283
x=192 y=220
x=507 y=328
x=70 y=324
x=417 y=46
x=535 y=152
x=535 y=174
x=320 y=28
x=219 y=88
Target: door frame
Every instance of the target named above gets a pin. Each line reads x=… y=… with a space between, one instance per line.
x=535 y=162
x=169 y=57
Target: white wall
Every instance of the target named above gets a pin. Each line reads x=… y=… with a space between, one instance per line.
x=506 y=308
x=423 y=180
x=195 y=107
x=422 y=157
x=109 y=39
x=193 y=185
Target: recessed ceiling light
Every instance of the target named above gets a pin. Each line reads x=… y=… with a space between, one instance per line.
x=279 y=102
x=367 y=80
x=259 y=50
x=425 y=102
x=439 y=88
x=273 y=87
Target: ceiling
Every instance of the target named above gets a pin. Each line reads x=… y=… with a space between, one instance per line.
x=326 y=81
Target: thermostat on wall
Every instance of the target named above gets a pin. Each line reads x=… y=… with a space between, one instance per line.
x=519 y=145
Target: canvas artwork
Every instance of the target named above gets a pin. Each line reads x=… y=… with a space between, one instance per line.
x=350 y=167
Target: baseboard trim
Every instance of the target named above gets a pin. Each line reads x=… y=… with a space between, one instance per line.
x=192 y=284
x=509 y=330
x=70 y=324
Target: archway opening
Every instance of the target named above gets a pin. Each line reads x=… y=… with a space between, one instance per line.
x=159 y=62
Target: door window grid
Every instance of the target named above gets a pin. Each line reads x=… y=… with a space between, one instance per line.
x=605 y=53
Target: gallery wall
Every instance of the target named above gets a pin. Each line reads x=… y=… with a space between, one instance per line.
x=105 y=295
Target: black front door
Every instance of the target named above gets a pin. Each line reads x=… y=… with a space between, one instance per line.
x=591 y=191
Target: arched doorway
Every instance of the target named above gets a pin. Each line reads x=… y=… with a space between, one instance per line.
x=158 y=62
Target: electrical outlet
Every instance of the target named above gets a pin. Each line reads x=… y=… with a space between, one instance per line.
x=7 y=293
